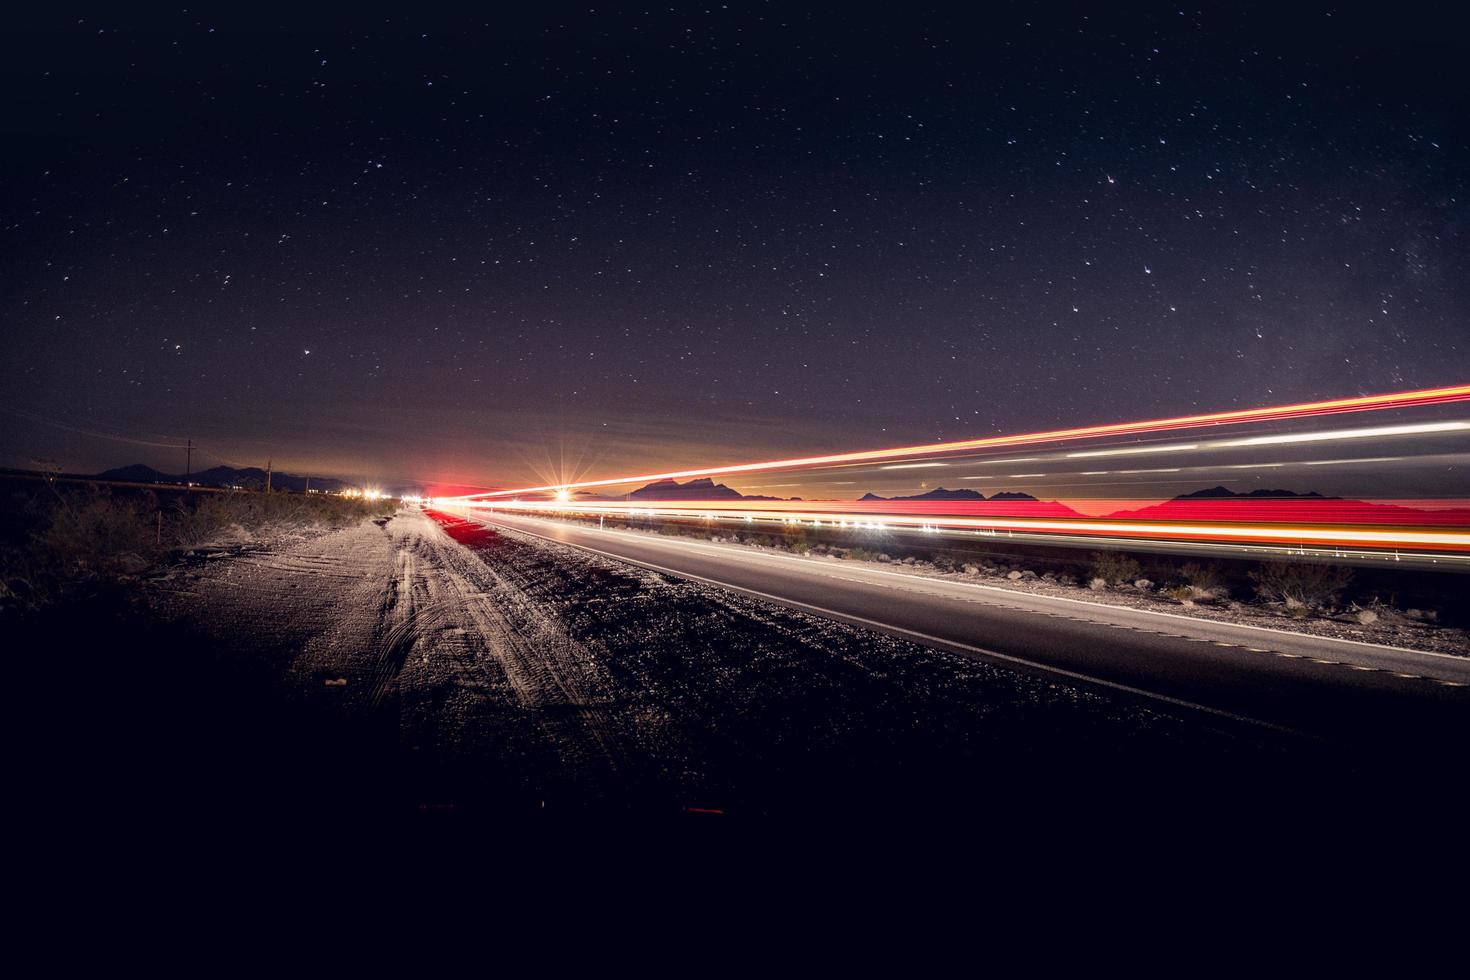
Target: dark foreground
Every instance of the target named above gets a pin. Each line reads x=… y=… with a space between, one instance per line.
x=421 y=671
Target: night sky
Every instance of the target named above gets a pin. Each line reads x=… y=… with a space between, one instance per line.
x=481 y=249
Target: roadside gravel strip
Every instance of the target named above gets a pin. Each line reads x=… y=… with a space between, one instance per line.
x=513 y=672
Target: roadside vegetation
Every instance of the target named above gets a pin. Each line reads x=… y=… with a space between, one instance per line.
x=56 y=542
x=1301 y=590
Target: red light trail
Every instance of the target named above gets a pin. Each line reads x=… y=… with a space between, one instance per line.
x=1428 y=526
x=1246 y=522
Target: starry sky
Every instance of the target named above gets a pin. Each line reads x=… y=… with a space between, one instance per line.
x=576 y=241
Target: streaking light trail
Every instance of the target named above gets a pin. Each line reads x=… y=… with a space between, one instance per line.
x=1437 y=529
x=1447 y=540
x=1365 y=403
x=1185 y=447
x=1333 y=436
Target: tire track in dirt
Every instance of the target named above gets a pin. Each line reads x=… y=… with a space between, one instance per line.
x=503 y=630
x=392 y=625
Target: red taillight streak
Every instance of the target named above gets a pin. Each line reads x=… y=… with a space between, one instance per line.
x=1246 y=524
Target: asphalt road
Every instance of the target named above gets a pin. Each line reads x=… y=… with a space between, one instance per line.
x=1398 y=701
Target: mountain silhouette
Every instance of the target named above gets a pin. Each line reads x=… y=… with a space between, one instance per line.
x=940 y=493
x=701 y=489
x=1221 y=493
x=251 y=478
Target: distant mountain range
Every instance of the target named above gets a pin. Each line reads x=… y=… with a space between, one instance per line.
x=701 y=489
x=1220 y=493
x=251 y=478
x=939 y=493
x=1216 y=503
x=1211 y=504
x=706 y=489
x=1288 y=506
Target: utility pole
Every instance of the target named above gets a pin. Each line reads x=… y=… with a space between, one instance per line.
x=268 y=474
x=188 y=461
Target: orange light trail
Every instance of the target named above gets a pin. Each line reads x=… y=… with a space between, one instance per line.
x=1363 y=403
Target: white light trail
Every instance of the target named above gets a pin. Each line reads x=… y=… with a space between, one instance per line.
x=1004 y=462
x=1363 y=459
x=1334 y=435
x=1134 y=451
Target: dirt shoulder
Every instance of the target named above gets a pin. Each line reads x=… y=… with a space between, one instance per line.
x=493 y=671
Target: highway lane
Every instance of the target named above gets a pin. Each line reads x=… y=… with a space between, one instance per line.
x=1342 y=690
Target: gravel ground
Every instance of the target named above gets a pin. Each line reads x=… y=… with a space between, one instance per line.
x=501 y=671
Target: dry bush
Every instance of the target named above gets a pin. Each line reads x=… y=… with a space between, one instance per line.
x=24 y=581
x=74 y=539
x=1204 y=578
x=1114 y=567
x=1301 y=586
x=205 y=518
x=192 y=526
x=100 y=534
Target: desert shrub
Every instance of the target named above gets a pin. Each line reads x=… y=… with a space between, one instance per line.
x=1302 y=586
x=861 y=554
x=201 y=518
x=65 y=541
x=1114 y=567
x=193 y=525
x=100 y=533
x=1203 y=577
x=26 y=581
x=1382 y=611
